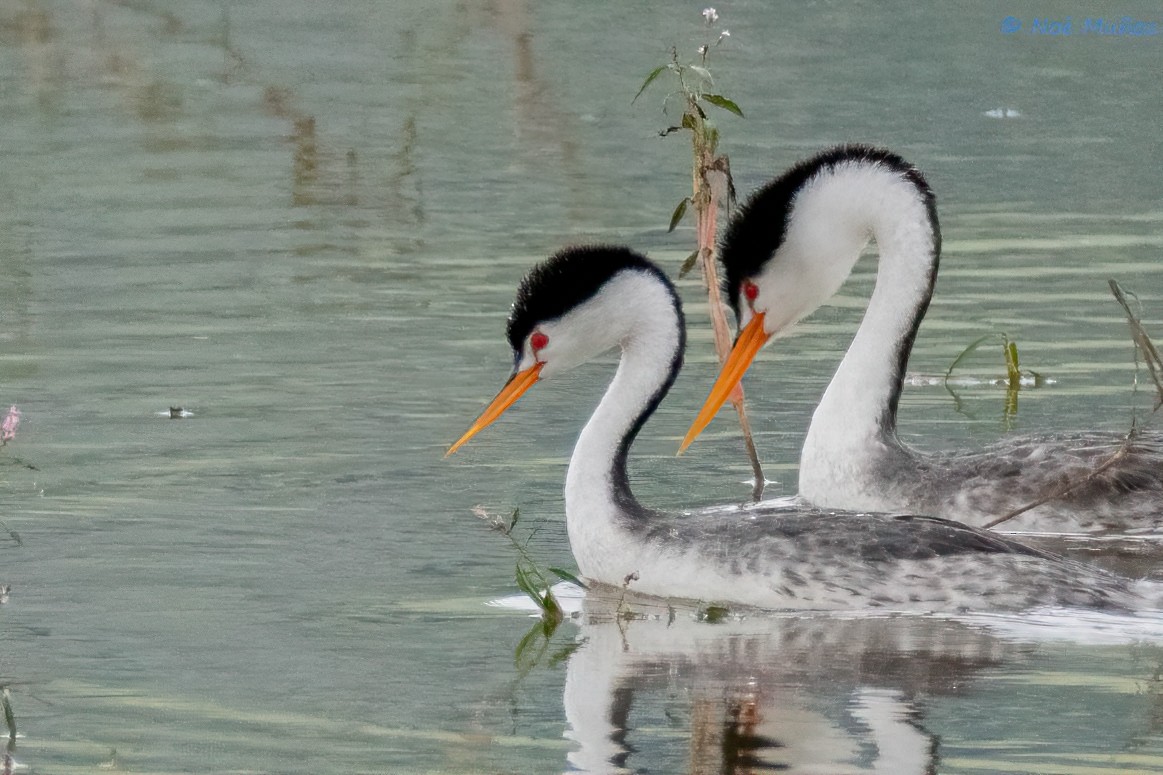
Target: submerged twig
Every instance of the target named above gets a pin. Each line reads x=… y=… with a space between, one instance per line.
x=1143 y=343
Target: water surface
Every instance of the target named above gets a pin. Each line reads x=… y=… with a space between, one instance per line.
x=303 y=224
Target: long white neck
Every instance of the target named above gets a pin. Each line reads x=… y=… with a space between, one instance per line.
x=859 y=407
x=599 y=506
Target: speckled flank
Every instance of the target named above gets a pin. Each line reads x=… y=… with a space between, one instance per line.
x=977 y=486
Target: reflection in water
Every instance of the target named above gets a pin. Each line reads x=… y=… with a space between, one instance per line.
x=801 y=693
x=1130 y=556
x=32 y=30
x=545 y=142
x=306 y=167
x=804 y=693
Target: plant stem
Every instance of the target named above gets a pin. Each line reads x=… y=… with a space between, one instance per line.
x=706 y=202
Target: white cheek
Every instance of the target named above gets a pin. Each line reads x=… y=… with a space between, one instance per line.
x=550 y=369
x=555 y=357
x=780 y=304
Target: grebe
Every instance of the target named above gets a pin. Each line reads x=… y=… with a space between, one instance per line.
x=788 y=250
x=585 y=301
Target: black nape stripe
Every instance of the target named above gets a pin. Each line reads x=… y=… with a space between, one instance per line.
x=760 y=227
x=568 y=278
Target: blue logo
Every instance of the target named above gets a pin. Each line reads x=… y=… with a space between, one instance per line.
x=1102 y=26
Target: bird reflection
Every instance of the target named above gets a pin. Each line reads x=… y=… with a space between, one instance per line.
x=799 y=693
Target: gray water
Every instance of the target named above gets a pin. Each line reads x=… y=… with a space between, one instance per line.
x=303 y=223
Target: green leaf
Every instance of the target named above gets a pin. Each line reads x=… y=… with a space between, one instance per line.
x=513 y=519
x=529 y=586
x=565 y=575
x=718 y=100
x=551 y=612
x=688 y=264
x=678 y=213
x=1013 y=367
x=966 y=353
x=649 y=80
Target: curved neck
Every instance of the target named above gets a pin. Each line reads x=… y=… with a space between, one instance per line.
x=598 y=501
x=860 y=402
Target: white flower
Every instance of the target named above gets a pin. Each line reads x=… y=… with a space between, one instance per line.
x=711 y=15
x=725 y=34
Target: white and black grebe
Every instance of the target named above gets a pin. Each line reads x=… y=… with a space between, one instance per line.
x=585 y=301
x=789 y=250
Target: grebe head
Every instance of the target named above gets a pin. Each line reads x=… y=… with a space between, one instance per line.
x=571 y=308
x=794 y=243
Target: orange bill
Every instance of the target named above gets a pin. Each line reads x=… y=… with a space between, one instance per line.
x=513 y=389
x=747 y=345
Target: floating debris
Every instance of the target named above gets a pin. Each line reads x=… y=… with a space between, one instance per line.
x=934 y=380
x=1003 y=113
x=176 y=413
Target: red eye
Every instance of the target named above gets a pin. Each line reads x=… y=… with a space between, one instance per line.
x=750 y=290
x=538 y=340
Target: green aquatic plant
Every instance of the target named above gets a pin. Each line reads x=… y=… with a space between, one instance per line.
x=535 y=648
x=711 y=184
x=532 y=579
x=1013 y=381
